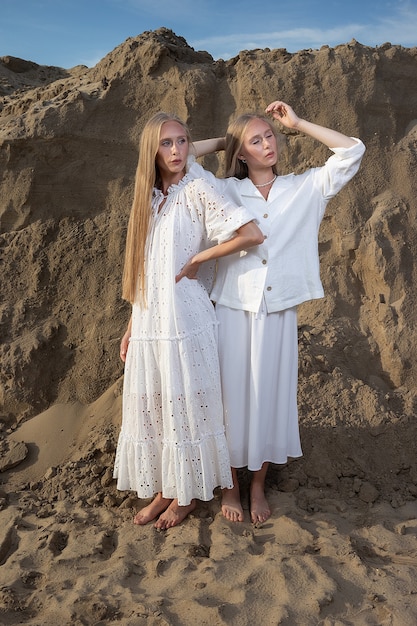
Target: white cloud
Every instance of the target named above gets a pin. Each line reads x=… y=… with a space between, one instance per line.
x=399 y=30
x=293 y=40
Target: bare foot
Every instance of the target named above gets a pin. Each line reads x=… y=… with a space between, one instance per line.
x=231 y=505
x=174 y=515
x=150 y=512
x=259 y=507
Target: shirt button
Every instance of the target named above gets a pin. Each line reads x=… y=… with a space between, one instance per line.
x=263 y=261
x=265 y=215
x=269 y=288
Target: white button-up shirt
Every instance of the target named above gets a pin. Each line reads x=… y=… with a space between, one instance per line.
x=284 y=271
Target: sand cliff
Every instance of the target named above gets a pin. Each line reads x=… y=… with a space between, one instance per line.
x=344 y=515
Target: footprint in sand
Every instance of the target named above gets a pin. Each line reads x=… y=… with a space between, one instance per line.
x=8 y=545
x=58 y=542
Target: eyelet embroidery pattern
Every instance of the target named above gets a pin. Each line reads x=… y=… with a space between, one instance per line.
x=172 y=437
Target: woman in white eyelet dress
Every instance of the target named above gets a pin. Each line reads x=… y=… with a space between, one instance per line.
x=172 y=440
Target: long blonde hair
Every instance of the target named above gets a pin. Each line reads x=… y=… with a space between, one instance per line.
x=147 y=177
x=235 y=135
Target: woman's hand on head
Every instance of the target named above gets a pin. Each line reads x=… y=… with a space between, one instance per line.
x=283 y=113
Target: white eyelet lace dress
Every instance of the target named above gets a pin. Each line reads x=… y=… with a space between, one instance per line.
x=172 y=438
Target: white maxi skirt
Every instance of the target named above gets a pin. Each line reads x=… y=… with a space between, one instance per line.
x=259 y=372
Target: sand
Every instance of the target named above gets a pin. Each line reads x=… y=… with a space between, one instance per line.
x=340 y=547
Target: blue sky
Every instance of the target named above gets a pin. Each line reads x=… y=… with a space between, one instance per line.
x=66 y=33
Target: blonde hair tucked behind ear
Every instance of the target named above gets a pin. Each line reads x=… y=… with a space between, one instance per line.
x=235 y=136
x=147 y=177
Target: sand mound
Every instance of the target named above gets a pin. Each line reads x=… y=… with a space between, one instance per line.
x=340 y=547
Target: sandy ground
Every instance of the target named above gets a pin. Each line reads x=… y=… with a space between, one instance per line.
x=340 y=548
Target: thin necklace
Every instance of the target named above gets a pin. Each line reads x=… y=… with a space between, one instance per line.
x=266 y=184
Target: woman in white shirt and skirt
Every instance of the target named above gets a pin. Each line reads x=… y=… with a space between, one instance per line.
x=257 y=291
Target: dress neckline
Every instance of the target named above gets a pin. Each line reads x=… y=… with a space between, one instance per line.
x=172 y=188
